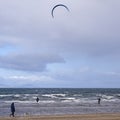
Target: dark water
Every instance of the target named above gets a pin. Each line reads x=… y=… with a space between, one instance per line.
x=57 y=94
x=59 y=101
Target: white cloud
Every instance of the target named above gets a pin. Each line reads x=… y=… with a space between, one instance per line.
x=31 y=78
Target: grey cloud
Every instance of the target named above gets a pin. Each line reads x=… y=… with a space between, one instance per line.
x=92 y=29
x=31 y=62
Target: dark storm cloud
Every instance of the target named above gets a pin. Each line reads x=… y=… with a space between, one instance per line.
x=29 y=62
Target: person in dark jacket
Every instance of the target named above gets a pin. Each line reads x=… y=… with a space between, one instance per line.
x=37 y=99
x=12 y=109
x=99 y=100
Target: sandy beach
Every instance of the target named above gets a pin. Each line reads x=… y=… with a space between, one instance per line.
x=67 y=117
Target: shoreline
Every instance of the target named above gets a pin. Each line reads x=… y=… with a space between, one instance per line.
x=115 y=116
x=40 y=109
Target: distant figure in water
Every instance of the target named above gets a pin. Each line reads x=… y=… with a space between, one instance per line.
x=99 y=100
x=37 y=99
x=12 y=109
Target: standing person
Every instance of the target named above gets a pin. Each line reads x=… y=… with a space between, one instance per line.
x=99 y=100
x=12 y=109
x=37 y=99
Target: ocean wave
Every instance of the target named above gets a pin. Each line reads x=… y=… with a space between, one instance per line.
x=61 y=95
x=54 y=95
x=117 y=95
x=16 y=95
x=18 y=101
x=70 y=99
x=77 y=95
x=29 y=102
x=108 y=97
x=6 y=95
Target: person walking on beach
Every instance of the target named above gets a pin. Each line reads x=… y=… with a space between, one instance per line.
x=12 y=109
x=37 y=99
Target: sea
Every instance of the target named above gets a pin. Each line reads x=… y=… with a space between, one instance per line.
x=57 y=101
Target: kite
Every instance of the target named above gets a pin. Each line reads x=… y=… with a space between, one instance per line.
x=52 y=12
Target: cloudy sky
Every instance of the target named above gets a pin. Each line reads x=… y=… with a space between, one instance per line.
x=78 y=49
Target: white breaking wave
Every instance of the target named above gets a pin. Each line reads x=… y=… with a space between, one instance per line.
x=6 y=95
x=29 y=102
x=17 y=95
x=54 y=95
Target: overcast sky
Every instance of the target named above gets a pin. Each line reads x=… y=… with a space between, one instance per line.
x=76 y=49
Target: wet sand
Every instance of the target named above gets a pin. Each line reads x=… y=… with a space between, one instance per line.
x=43 y=109
x=67 y=117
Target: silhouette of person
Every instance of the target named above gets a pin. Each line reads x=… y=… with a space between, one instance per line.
x=12 y=109
x=37 y=99
x=99 y=100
